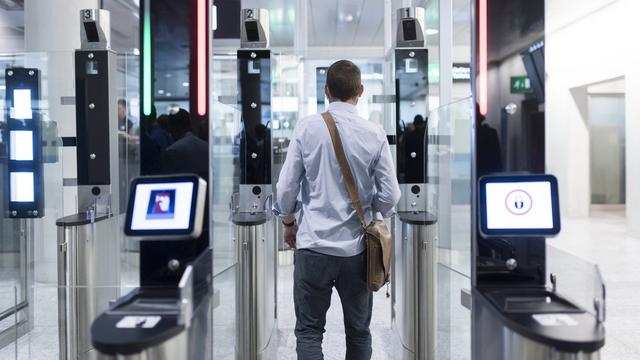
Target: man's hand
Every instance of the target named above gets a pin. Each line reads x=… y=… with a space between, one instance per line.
x=290 y=233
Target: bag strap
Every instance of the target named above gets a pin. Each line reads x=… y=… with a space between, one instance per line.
x=344 y=166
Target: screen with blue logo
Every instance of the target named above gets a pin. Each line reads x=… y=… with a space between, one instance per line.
x=518 y=205
x=522 y=205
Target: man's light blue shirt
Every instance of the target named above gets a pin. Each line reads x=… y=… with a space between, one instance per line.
x=328 y=221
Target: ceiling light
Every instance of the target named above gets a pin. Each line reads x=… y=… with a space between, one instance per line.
x=160 y=91
x=348 y=18
x=136 y=51
x=185 y=84
x=432 y=32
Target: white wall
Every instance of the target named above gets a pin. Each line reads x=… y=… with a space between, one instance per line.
x=587 y=42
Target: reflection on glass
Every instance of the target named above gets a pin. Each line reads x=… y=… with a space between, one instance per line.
x=449 y=151
x=411 y=91
x=21 y=145
x=255 y=139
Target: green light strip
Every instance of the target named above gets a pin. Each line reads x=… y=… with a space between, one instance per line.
x=146 y=61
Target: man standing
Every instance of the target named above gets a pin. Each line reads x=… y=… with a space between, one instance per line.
x=330 y=251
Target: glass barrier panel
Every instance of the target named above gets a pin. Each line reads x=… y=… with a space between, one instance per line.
x=224 y=133
x=449 y=154
x=448 y=164
x=9 y=318
x=130 y=129
x=30 y=137
x=577 y=280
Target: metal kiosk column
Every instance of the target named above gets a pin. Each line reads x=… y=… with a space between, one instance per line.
x=169 y=315
x=513 y=309
x=251 y=205
x=88 y=253
x=414 y=267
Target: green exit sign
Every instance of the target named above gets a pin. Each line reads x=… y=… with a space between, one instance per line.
x=520 y=85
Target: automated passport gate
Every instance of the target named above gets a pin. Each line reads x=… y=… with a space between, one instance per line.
x=167 y=317
x=515 y=316
x=251 y=205
x=413 y=294
x=88 y=253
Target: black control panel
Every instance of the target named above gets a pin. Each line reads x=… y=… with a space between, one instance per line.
x=92 y=116
x=412 y=87
x=254 y=98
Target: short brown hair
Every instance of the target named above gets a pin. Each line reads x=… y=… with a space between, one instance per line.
x=343 y=80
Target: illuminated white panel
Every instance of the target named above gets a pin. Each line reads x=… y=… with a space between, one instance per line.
x=22 y=187
x=21 y=145
x=214 y=17
x=21 y=109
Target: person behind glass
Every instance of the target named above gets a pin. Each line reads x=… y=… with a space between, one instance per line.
x=125 y=124
x=153 y=141
x=188 y=154
x=328 y=243
x=488 y=147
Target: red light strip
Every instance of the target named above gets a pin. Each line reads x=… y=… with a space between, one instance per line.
x=201 y=58
x=482 y=57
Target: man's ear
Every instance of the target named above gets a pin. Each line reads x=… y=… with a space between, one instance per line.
x=327 y=93
x=361 y=90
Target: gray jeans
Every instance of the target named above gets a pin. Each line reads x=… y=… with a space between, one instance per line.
x=314 y=277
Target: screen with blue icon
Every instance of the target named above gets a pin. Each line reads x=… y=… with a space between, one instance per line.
x=522 y=205
x=519 y=205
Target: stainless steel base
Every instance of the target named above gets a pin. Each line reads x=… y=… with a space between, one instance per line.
x=518 y=347
x=414 y=298
x=176 y=348
x=88 y=279
x=494 y=341
x=256 y=291
x=193 y=344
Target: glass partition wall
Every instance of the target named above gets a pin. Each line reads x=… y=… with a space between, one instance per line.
x=28 y=246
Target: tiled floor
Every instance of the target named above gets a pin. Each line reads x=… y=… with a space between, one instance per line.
x=601 y=239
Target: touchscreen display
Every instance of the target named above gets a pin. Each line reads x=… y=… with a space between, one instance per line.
x=519 y=205
x=162 y=206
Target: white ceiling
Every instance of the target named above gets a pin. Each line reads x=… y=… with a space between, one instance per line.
x=124 y=19
x=339 y=23
x=281 y=16
x=346 y=23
